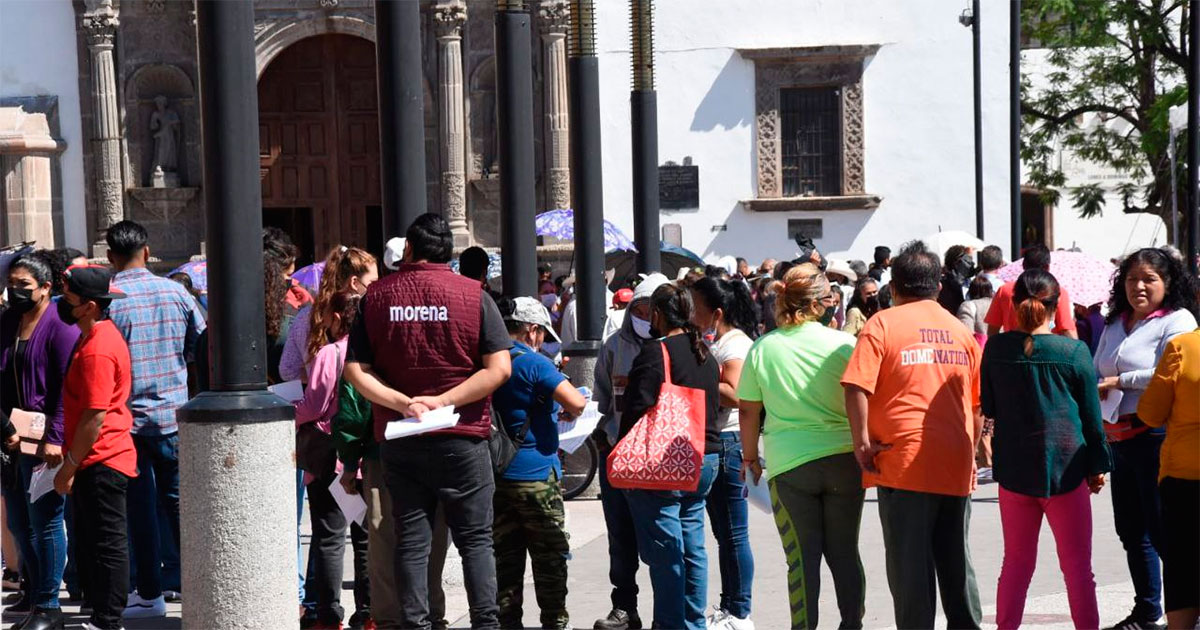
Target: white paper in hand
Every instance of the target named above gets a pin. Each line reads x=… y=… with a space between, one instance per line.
x=573 y=433
x=42 y=481
x=1110 y=406
x=435 y=420
x=290 y=391
x=352 y=505
x=758 y=494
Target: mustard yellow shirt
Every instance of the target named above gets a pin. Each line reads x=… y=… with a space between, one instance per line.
x=1173 y=398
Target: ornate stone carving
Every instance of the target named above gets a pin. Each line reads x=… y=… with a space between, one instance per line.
x=778 y=68
x=329 y=4
x=853 y=149
x=100 y=22
x=554 y=15
x=155 y=7
x=164 y=125
x=449 y=17
x=559 y=191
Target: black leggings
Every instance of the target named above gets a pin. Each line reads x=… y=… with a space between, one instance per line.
x=1181 y=555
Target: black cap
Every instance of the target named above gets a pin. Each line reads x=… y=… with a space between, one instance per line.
x=91 y=282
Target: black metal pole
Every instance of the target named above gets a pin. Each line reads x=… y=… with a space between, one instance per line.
x=1014 y=119
x=231 y=530
x=978 y=94
x=401 y=112
x=586 y=180
x=514 y=122
x=232 y=195
x=1193 y=196
x=643 y=104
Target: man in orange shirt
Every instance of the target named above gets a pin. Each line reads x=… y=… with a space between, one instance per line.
x=101 y=458
x=912 y=395
x=1003 y=314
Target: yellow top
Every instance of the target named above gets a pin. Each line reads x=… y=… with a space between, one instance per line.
x=1173 y=399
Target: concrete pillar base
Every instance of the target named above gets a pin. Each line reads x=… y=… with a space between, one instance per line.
x=238 y=520
x=581 y=369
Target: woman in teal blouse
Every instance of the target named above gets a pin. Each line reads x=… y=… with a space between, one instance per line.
x=1049 y=449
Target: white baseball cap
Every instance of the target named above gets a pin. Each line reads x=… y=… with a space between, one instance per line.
x=531 y=311
x=393 y=253
x=646 y=288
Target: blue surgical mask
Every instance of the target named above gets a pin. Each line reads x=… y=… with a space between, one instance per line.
x=641 y=327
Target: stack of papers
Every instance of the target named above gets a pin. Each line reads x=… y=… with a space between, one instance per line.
x=291 y=391
x=758 y=494
x=1110 y=406
x=436 y=420
x=42 y=481
x=352 y=505
x=573 y=433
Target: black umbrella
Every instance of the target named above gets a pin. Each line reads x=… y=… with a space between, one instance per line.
x=673 y=259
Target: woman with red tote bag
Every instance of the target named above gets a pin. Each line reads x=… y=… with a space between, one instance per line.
x=667 y=458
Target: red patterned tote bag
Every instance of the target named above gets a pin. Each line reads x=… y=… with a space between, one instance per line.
x=665 y=449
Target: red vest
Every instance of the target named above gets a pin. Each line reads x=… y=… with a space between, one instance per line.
x=424 y=325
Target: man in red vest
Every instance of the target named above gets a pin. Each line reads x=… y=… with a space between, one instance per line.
x=428 y=338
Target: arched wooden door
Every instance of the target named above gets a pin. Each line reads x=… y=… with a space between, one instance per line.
x=319 y=145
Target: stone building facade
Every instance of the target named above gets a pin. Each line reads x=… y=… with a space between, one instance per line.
x=318 y=118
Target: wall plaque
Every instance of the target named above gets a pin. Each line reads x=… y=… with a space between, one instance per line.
x=679 y=187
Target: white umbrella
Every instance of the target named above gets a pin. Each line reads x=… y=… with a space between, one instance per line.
x=939 y=242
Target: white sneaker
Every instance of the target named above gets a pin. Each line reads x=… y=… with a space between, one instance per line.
x=138 y=608
x=724 y=620
x=87 y=625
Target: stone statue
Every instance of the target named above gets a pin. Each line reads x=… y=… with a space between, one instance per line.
x=164 y=124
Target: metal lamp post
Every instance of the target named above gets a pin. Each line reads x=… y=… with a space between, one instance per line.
x=643 y=103
x=236 y=466
x=401 y=112
x=970 y=17
x=1193 y=148
x=514 y=122
x=1014 y=121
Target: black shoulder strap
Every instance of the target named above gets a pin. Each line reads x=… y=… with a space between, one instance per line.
x=519 y=439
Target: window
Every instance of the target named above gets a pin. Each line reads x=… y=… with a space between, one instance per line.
x=811 y=140
x=811 y=228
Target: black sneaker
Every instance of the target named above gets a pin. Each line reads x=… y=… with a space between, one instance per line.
x=1133 y=623
x=360 y=619
x=11 y=580
x=618 y=619
x=20 y=605
x=43 y=619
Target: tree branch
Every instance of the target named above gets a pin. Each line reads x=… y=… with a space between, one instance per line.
x=1096 y=108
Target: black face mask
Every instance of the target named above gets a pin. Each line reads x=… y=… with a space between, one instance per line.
x=827 y=316
x=66 y=312
x=21 y=300
x=872 y=303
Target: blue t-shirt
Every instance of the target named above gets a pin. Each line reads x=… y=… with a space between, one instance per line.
x=530 y=390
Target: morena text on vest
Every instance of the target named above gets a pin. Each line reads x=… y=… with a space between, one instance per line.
x=418 y=314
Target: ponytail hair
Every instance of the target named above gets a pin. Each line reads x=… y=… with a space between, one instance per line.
x=342 y=264
x=733 y=298
x=674 y=306
x=1035 y=298
x=801 y=287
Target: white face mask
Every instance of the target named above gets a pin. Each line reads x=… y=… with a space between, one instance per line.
x=641 y=327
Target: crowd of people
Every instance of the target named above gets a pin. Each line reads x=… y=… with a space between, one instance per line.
x=918 y=375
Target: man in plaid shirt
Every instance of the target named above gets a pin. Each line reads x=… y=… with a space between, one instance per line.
x=160 y=321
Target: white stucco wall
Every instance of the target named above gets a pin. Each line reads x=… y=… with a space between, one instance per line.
x=38 y=57
x=918 y=122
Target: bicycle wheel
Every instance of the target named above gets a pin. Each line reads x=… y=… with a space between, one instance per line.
x=579 y=469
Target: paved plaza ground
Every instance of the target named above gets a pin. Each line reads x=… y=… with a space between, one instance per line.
x=589 y=588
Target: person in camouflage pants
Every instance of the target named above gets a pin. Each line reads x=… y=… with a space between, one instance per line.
x=530 y=517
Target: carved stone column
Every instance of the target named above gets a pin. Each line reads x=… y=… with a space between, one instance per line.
x=449 y=16
x=554 y=16
x=100 y=26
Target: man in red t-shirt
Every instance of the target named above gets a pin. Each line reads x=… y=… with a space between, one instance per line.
x=100 y=457
x=1003 y=314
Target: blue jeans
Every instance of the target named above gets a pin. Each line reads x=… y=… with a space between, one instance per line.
x=41 y=539
x=670 y=534
x=157 y=484
x=622 y=543
x=1136 y=515
x=727 y=509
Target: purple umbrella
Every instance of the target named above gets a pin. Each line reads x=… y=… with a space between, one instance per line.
x=309 y=276
x=561 y=224
x=197 y=270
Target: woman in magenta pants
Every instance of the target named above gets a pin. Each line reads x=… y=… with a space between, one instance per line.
x=1048 y=449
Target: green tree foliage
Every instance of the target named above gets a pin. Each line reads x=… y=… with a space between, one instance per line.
x=1122 y=62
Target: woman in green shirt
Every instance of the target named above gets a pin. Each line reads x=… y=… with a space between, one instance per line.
x=794 y=372
x=1048 y=449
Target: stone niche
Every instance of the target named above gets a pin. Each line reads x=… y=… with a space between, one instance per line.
x=30 y=171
